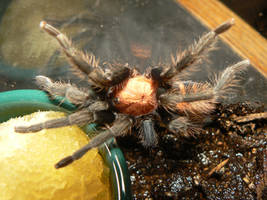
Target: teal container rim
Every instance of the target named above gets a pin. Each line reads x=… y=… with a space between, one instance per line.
x=21 y=102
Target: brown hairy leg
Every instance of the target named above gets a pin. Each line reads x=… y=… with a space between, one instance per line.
x=90 y=114
x=86 y=65
x=183 y=126
x=196 y=100
x=191 y=56
x=200 y=97
x=69 y=91
x=120 y=127
x=80 y=118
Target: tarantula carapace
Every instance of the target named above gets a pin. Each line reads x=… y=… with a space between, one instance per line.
x=125 y=98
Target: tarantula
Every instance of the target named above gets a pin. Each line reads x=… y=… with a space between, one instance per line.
x=125 y=98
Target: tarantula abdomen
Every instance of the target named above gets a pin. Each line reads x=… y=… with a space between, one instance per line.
x=136 y=96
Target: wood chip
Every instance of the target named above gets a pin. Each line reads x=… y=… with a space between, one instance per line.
x=246 y=180
x=250 y=117
x=218 y=167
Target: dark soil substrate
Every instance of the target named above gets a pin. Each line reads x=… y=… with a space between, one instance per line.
x=182 y=168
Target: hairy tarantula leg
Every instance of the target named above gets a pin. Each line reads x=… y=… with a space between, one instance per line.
x=193 y=98
x=200 y=98
x=148 y=133
x=70 y=91
x=170 y=98
x=87 y=64
x=121 y=125
x=194 y=54
x=183 y=126
x=78 y=118
x=229 y=78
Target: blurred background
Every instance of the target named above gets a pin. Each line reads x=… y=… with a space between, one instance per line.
x=253 y=12
x=140 y=33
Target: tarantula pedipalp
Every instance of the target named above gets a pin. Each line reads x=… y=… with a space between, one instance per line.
x=125 y=98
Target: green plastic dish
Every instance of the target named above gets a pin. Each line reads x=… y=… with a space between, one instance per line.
x=21 y=102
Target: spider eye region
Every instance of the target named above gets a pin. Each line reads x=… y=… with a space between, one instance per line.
x=137 y=96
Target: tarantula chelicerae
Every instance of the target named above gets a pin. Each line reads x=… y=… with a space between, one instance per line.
x=125 y=98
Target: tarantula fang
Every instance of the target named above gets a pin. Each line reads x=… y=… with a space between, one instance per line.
x=125 y=98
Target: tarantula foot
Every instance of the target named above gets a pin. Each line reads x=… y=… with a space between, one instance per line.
x=64 y=162
x=20 y=129
x=26 y=129
x=225 y=26
x=43 y=81
x=49 y=29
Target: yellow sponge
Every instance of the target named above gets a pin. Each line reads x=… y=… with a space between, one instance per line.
x=27 y=163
